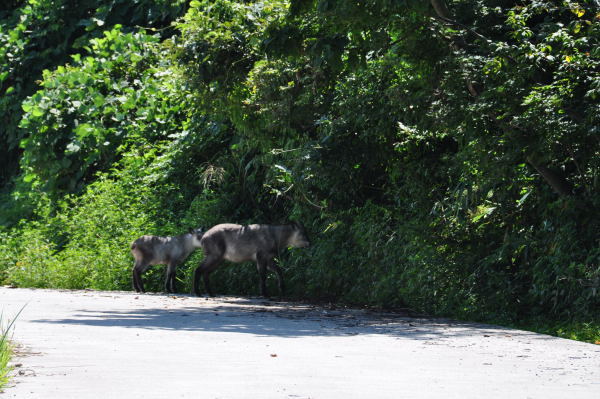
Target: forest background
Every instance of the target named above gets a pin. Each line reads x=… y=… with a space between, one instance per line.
x=443 y=156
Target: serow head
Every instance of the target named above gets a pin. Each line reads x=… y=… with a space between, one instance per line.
x=299 y=238
x=197 y=235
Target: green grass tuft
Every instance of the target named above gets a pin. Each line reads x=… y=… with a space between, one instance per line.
x=5 y=349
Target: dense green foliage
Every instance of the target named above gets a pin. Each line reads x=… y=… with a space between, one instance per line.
x=445 y=157
x=42 y=34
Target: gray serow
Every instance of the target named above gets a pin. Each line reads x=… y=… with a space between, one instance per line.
x=170 y=251
x=259 y=243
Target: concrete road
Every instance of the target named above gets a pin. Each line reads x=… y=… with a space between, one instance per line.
x=84 y=344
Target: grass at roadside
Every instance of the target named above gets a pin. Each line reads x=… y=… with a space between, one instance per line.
x=578 y=331
x=5 y=349
x=5 y=353
x=587 y=332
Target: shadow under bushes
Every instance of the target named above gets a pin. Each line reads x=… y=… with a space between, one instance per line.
x=280 y=319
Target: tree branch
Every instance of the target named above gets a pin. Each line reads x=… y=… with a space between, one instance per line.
x=440 y=8
x=443 y=14
x=559 y=184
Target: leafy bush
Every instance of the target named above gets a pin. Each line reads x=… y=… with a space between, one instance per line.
x=102 y=223
x=33 y=262
x=79 y=122
x=42 y=34
x=85 y=245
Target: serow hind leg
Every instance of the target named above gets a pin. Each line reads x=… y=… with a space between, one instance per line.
x=279 y=272
x=170 y=278
x=202 y=272
x=136 y=278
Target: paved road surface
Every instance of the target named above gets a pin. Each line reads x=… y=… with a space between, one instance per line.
x=84 y=344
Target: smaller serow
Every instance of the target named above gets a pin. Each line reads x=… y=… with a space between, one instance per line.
x=170 y=251
x=259 y=243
